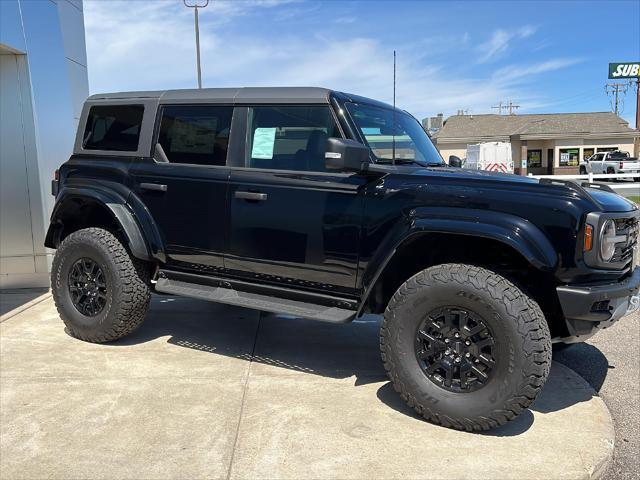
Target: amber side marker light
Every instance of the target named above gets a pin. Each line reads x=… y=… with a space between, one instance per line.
x=588 y=238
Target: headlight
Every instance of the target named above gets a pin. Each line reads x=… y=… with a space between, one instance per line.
x=608 y=240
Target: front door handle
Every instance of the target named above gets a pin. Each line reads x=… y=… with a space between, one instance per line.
x=154 y=186
x=256 y=196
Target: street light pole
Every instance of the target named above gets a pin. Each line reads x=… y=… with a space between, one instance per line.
x=195 y=7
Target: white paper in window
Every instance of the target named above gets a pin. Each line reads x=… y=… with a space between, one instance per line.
x=263 y=141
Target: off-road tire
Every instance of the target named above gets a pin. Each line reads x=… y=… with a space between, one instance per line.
x=127 y=278
x=520 y=330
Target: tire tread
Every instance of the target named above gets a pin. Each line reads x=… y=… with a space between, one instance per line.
x=531 y=325
x=133 y=276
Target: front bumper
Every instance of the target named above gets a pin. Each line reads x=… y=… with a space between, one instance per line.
x=590 y=308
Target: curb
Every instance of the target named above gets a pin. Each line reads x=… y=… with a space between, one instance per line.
x=24 y=306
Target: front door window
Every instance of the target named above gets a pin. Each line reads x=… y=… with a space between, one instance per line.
x=289 y=138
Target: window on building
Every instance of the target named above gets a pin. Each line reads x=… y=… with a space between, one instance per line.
x=569 y=157
x=113 y=127
x=197 y=135
x=587 y=153
x=534 y=158
x=289 y=138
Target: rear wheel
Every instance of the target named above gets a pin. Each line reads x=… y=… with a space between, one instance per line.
x=100 y=291
x=464 y=347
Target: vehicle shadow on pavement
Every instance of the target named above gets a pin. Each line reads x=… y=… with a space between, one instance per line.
x=317 y=348
x=586 y=360
x=338 y=351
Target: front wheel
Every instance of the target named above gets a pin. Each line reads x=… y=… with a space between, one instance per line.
x=465 y=347
x=100 y=291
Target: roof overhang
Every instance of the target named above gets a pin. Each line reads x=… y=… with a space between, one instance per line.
x=560 y=136
x=500 y=138
x=537 y=136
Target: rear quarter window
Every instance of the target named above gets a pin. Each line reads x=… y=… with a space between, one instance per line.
x=113 y=127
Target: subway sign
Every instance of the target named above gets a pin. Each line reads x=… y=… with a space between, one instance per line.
x=624 y=70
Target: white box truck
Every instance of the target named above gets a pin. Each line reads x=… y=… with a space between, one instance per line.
x=490 y=156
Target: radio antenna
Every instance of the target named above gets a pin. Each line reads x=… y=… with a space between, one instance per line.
x=393 y=126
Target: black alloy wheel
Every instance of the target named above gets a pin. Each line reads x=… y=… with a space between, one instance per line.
x=455 y=349
x=87 y=287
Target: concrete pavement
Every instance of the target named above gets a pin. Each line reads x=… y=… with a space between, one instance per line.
x=610 y=362
x=208 y=391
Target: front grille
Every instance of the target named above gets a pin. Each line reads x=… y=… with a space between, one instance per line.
x=627 y=227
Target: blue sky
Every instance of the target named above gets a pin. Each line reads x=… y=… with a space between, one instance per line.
x=545 y=56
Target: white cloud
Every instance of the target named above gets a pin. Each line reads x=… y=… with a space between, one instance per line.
x=500 y=41
x=150 y=46
x=517 y=73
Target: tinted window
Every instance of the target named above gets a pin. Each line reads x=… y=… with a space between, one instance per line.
x=195 y=134
x=113 y=127
x=289 y=138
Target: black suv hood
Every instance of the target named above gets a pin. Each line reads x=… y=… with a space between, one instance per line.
x=607 y=201
x=611 y=202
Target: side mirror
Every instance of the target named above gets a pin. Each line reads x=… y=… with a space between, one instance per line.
x=455 y=161
x=346 y=155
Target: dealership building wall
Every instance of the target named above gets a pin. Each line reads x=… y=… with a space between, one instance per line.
x=43 y=84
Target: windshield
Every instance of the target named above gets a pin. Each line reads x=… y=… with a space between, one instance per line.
x=407 y=140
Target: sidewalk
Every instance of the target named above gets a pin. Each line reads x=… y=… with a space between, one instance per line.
x=207 y=391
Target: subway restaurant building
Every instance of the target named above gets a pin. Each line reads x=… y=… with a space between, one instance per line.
x=550 y=143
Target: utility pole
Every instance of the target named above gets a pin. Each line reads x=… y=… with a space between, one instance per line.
x=637 y=104
x=510 y=107
x=617 y=90
x=195 y=7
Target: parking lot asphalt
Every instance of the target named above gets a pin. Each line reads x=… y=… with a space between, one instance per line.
x=207 y=391
x=610 y=362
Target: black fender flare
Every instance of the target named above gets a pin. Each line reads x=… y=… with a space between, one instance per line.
x=141 y=233
x=513 y=231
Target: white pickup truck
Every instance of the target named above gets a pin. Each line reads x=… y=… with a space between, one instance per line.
x=611 y=163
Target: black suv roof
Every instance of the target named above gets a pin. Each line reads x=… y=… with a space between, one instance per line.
x=229 y=95
x=242 y=95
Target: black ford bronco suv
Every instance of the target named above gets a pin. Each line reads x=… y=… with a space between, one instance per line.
x=326 y=205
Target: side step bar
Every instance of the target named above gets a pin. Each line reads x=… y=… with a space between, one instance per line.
x=255 y=300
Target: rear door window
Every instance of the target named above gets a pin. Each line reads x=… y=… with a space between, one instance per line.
x=113 y=127
x=197 y=135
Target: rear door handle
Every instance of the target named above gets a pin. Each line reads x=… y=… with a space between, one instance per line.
x=256 y=196
x=154 y=186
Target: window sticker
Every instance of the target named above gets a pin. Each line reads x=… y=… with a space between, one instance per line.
x=263 y=141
